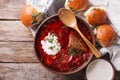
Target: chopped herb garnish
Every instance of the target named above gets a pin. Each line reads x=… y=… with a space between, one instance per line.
x=50 y=40
x=78 y=45
x=35 y=15
x=96 y=9
x=71 y=8
x=34 y=21
x=72 y=51
x=51 y=47
x=69 y=0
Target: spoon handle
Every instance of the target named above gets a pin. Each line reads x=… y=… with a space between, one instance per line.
x=89 y=44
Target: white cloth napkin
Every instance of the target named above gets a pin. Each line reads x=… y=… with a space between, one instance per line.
x=112 y=7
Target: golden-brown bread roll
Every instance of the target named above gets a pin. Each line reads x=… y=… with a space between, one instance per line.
x=30 y=15
x=95 y=16
x=75 y=5
x=105 y=34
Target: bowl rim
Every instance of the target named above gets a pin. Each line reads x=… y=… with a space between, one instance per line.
x=80 y=67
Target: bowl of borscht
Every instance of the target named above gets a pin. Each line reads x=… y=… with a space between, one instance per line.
x=61 y=49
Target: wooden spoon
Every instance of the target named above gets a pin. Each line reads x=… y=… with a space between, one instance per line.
x=69 y=19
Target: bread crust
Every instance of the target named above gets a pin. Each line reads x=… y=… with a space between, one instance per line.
x=105 y=34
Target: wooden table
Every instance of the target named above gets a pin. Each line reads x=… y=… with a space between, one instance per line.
x=17 y=58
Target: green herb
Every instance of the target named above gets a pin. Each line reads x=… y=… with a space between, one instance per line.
x=50 y=40
x=69 y=0
x=34 y=21
x=51 y=47
x=72 y=51
x=35 y=15
x=71 y=8
x=78 y=45
x=94 y=8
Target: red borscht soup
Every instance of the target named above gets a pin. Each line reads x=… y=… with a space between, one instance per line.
x=61 y=48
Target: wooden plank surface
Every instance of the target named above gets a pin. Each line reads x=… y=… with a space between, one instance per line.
x=10 y=9
x=16 y=43
x=14 y=31
x=34 y=71
x=31 y=71
x=17 y=52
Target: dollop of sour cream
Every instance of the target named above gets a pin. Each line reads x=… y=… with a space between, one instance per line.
x=50 y=44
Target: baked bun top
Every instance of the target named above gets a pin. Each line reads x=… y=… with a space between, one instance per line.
x=75 y=5
x=26 y=15
x=95 y=16
x=105 y=34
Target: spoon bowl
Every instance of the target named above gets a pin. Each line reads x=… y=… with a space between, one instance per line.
x=69 y=19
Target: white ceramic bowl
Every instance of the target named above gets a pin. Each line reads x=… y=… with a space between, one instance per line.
x=100 y=69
